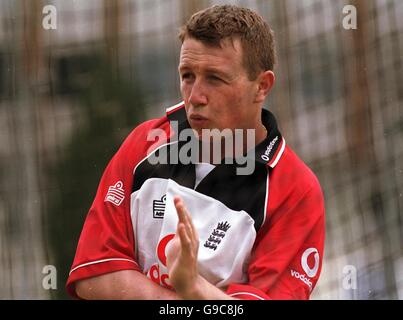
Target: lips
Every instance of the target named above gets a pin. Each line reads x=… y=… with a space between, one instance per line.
x=197 y=117
x=198 y=121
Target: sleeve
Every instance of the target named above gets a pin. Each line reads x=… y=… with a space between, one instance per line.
x=106 y=242
x=287 y=257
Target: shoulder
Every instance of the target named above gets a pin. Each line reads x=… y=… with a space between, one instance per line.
x=292 y=173
x=152 y=133
x=139 y=134
x=143 y=138
x=292 y=181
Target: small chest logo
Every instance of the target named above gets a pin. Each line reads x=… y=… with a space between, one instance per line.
x=115 y=194
x=217 y=235
x=266 y=155
x=159 y=207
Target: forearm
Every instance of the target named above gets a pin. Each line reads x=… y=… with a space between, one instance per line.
x=122 y=285
x=204 y=290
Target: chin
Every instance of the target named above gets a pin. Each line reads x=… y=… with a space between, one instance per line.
x=197 y=131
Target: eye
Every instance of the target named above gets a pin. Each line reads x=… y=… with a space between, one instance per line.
x=187 y=76
x=215 y=79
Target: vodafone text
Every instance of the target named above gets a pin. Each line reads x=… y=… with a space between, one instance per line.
x=302 y=277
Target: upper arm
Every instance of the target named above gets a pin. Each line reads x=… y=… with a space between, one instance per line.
x=121 y=285
x=106 y=286
x=106 y=242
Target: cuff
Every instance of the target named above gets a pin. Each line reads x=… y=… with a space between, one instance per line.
x=246 y=292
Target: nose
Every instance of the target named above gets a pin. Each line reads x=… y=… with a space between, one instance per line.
x=198 y=96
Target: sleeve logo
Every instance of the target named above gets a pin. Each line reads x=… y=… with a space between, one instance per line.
x=116 y=194
x=309 y=272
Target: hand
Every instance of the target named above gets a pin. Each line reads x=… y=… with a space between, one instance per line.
x=182 y=253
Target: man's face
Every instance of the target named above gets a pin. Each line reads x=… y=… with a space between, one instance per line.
x=216 y=88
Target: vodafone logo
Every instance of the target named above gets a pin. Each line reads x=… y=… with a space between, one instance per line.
x=310 y=272
x=155 y=273
x=162 y=245
x=266 y=155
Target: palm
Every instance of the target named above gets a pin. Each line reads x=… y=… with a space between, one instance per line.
x=182 y=252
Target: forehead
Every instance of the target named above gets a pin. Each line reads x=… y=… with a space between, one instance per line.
x=195 y=53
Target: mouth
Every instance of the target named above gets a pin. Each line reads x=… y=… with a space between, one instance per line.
x=197 y=119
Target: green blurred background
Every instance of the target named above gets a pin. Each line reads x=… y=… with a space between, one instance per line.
x=70 y=95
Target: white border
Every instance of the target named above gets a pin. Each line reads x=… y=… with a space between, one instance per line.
x=248 y=293
x=266 y=201
x=278 y=155
x=100 y=261
x=174 y=107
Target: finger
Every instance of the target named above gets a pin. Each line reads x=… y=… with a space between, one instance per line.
x=190 y=225
x=184 y=216
x=193 y=228
x=179 y=209
x=186 y=243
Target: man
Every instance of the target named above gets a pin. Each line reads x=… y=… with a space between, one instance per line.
x=200 y=229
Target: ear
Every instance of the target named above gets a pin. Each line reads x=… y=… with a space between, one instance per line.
x=265 y=82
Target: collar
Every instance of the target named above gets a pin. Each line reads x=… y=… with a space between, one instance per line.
x=268 y=152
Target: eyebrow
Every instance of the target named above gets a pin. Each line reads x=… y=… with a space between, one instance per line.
x=214 y=70
x=207 y=70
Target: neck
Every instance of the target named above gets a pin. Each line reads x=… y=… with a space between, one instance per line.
x=261 y=134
